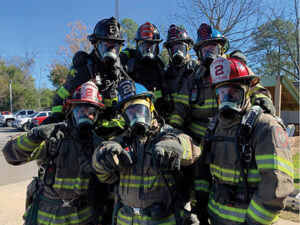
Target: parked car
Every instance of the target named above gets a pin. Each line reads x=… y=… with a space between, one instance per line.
x=23 y=123
x=7 y=120
x=37 y=120
x=4 y=113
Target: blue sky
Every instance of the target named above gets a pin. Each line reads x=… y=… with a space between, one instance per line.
x=41 y=25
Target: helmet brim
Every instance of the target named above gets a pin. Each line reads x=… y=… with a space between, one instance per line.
x=222 y=40
x=148 y=94
x=78 y=101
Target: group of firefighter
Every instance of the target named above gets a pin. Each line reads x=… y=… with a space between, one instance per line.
x=132 y=142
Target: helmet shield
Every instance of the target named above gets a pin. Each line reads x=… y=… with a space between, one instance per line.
x=147 y=49
x=108 y=49
x=230 y=96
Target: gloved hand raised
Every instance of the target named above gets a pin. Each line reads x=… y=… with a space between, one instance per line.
x=266 y=104
x=111 y=156
x=167 y=153
x=53 y=132
x=54 y=118
x=80 y=58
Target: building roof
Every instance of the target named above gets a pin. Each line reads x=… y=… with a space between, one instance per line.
x=289 y=94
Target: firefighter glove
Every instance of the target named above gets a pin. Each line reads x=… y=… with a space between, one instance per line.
x=167 y=153
x=238 y=55
x=266 y=104
x=80 y=58
x=111 y=156
x=54 y=118
x=53 y=132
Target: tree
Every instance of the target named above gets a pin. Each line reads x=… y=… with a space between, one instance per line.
x=76 y=41
x=276 y=44
x=129 y=28
x=23 y=88
x=236 y=19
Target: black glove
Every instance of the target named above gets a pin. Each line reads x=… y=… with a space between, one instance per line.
x=167 y=153
x=51 y=132
x=238 y=55
x=266 y=104
x=111 y=156
x=80 y=58
x=54 y=118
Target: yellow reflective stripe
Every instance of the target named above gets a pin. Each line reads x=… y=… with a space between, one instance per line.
x=127 y=53
x=275 y=162
x=113 y=123
x=38 y=151
x=227 y=212
x=57 y=109
x=29 y=142
x=197 y=129
x=63 y=93
x=21 y=144
x=73 y=218
x=71 y=183
x=187 y=152
x=184 y=99
x=103 y=177
x=108 y=102
x=225 y=174
x=73 y=72
x=208 y=103
x=157 y=94
x=261 y=215
x=201 y=185
x=257 y=96
x=176 y=119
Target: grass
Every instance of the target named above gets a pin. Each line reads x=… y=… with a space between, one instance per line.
x=296 y=161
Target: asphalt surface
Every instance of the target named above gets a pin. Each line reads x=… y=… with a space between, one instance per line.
x=11 y=174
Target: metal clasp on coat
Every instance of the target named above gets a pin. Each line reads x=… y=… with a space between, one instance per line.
x=136 y=211
x=66 y=203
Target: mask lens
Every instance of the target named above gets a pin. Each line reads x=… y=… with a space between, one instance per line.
x=108 y=48
x=231 y=96
x=210 y=49
x=85 y=113
x=147 y=48
x=178 y=48
x=138 y=113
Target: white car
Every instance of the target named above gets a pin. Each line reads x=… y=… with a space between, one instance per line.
x=23 y=122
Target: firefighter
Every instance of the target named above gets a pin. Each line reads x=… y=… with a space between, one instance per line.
x=65 y=191
x=144 y=65
x=103 y=66
x=180 y=66
x=195 y=104
x=248 y=152
x=146 y=161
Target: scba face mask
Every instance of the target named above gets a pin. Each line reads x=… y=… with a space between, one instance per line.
x=84 y=117
x=109 y=50
x=208 y=53
x=147 y=49
x=178 y=52
x=231 y=99
x=138 y=116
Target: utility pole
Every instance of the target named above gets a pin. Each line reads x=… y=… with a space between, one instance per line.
x=10 y=96
x=117 y=10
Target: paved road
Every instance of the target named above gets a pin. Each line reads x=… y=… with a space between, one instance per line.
x=11 y=174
